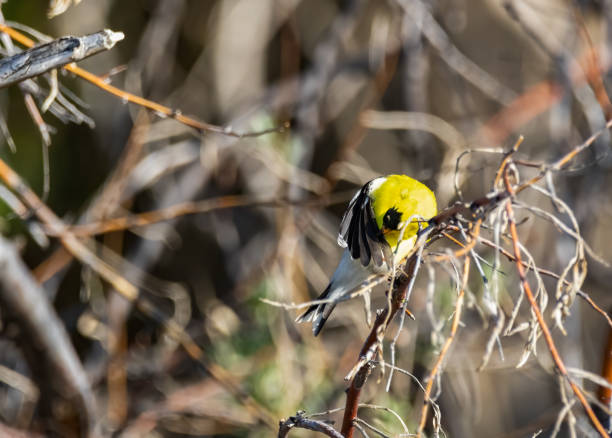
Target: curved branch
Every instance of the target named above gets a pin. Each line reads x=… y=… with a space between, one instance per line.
x=301 y=422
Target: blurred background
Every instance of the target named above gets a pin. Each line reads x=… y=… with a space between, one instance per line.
x=369 y=88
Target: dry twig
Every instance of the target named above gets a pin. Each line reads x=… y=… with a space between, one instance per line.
x=541 y=322
x=301 y=422
x=57 y=53
x=160 y=110
x=52 y=358
x=445 y=347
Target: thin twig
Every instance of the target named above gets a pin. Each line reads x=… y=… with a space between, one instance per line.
x=594 y=305
x=417 y=264
x=196 y=207
x=372 y=281
x=372 y=428
x=445 y=347
x=159 y=109
x=547 y=273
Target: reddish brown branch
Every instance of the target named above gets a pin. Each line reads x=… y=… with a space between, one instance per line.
x=591 y=65
x=605 y=394
x=194 y=207
x=540 y=271
x=370 y=347
x=352 y=399
x=540 y=318
x=465 y=249
x=595 y=307
x=538 y=99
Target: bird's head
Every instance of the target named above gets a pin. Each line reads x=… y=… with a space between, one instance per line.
x=397 y=200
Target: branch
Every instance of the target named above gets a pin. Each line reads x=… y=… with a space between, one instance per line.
x=79 y=249
x=50 y=354
x=449 y=340
x=160 y=110
x=541 y=271
x=450 y=54
x=197 y=207
x=604 y=393
x=304 y=423
x=540 y=318
x=363 y=368
x=57 y=53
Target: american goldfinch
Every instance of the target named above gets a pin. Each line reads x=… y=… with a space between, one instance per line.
x=375 y=220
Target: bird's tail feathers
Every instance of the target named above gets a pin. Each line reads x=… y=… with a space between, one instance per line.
x=318 y=313
x=321 y=317
x=309 y=314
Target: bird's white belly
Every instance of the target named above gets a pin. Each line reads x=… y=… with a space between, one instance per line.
x=350 y=274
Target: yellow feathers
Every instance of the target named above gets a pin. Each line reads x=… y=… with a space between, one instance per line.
x=407 y=196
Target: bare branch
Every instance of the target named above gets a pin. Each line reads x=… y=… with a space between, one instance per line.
x=58 y=53
x=160 y=110
x=301 y=422
x=52 y=357
x=449 y=340
x=543 y=326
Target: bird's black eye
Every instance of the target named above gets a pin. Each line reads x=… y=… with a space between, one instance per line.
x=392 y=218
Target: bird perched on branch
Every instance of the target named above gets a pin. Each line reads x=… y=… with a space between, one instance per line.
x=378 y=230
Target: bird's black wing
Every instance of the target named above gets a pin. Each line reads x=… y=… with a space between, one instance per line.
x=360 y=234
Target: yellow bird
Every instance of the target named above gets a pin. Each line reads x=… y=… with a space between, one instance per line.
x=383 y=211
